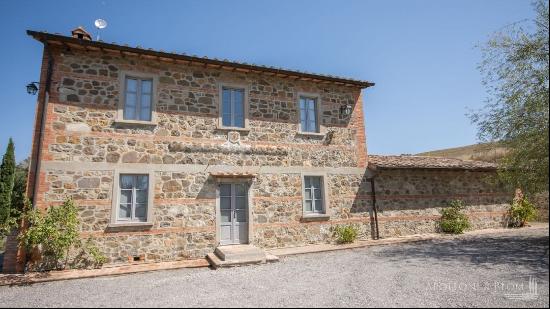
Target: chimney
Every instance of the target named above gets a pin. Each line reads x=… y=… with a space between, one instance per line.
x=81 y=33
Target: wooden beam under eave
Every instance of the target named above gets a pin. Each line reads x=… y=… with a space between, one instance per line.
x=126 y=53
x=111 y=51
x=76 y=46
x=214 y=66
x=58 y=43
x=282 y=75
x=144 y=56
x=165 y=59
x=92 y=48
x=242 y=70
x=181 y=61
x=196 y=64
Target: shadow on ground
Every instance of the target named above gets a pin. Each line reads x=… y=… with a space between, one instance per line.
x=525 y=251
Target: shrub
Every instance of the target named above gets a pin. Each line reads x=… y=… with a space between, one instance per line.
x=51 y=236
x=453 y=219
x=520 y=212
x=346 y=234
x=89 y=256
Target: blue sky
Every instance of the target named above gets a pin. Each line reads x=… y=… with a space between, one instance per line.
x=422 y=54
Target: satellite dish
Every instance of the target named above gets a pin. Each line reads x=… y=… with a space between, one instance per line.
x=100 y=23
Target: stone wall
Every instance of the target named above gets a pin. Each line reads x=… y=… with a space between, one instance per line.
x=409 y=202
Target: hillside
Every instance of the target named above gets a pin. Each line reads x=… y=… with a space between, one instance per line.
x=489 y=152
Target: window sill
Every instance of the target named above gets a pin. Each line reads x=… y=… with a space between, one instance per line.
x=315 y=218
x=122 y=225
x=135 y=122
x=233 y=129
x=312 y=134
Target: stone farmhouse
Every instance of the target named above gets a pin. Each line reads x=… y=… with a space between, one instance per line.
x=170 y=156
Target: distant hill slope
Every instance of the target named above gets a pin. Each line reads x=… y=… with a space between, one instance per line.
x=489 y=152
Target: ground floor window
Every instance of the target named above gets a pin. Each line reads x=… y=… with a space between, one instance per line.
x=313 y=195
x=133 y=198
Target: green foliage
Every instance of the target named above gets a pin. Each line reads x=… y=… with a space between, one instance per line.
x=516 y=70
x=18 y=196
x=97 y=256
x=521 y=211
x=89 y=256
x=345 y=234
x=7 y=178
x=453 y=220
x=55 y=232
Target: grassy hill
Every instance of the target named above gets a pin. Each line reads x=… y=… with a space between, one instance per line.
x=489 y=152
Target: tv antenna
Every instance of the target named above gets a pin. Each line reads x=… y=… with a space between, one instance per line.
x=100 y=24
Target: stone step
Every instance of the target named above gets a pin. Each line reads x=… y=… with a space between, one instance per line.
x=231 y=256
x=239 y=252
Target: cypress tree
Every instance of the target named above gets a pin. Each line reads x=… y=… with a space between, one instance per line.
x=7 y=179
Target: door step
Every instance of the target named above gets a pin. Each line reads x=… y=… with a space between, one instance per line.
x=239 y=255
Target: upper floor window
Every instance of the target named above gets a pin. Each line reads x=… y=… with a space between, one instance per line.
x=309 y=114
x=233 y=107
x=133 y=198
x=138 y=99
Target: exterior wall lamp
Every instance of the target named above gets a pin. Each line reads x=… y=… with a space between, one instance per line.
x=32 y=88
x=346 y=110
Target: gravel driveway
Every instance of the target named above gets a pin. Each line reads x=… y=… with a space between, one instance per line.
x=472 y=271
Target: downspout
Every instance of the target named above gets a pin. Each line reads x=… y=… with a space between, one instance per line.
x=374 y=207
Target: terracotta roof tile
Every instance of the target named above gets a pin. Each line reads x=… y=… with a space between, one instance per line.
x=425 y=162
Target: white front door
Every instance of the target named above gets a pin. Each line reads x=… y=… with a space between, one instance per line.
x=234 y=213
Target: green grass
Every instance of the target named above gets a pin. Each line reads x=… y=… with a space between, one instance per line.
x=490 y=152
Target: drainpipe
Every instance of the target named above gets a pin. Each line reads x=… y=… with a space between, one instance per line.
x=374 y=207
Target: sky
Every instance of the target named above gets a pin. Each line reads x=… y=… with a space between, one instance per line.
x=422 y=54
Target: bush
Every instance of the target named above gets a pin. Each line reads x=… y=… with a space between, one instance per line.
x=521 y=211
x=346 y=234
x=51 y=236
x=453 y=219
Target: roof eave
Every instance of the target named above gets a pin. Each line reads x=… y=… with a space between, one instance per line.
x=473 y=169
x=45 y=37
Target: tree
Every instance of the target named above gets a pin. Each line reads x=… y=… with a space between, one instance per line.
x=7 y=179
x=515 y=69
x=20 y=185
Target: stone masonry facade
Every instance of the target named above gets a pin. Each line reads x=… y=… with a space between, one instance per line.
x=82 y=146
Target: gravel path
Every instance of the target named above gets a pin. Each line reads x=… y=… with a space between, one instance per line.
x=473 y=271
